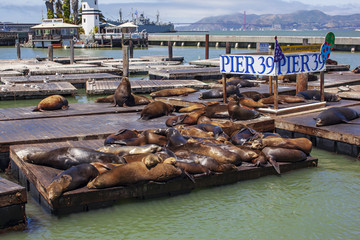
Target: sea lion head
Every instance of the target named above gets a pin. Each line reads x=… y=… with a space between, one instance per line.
x=151 y=160
x=319 y=122
x=56 y=188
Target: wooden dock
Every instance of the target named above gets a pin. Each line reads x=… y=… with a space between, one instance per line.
x=35 y=90
x=71 y=78
x=341 y=138
x=208 y=73
x=12 y=206
x=37 y=178
x=141 y=86
x=353 y=93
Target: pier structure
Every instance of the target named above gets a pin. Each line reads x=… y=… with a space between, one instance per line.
x=342 y=43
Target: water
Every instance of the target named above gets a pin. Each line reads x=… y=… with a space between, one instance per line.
x=314 y=203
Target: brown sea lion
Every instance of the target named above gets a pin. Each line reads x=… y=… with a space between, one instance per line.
x=219 y=110
x=216 y=130
x=356 y=70
x=254 y=95
x=156 y=109
x=302 y=144
x=192 y=118
x=124 y=150
x=122 y=96
x=192 y=167
x=138 y=100
x=284 y=154
x=248 y=102
x=209 y=162
x=192 y=107
x=104 y=167
x=66 y=157
x=149 y=159
x=120 y=135
x=194 y=132
x=72 y=178
x=126 y=174
x=164 y=171
x=53 y=102
x=282 y=99
x=173 y=92
x=227 y=126
x=175 y=120
x=153 y=138
x=107 y=99
x=336 y=115
x=239 y=113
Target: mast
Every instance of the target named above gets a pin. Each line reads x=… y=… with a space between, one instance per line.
x=157 y=17
x=120 y=14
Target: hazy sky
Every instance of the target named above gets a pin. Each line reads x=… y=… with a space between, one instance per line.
x=180 y=11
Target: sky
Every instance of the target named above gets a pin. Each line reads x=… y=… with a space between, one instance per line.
x=180 y=11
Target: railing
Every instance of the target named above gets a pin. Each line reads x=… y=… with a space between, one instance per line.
x=109 y=36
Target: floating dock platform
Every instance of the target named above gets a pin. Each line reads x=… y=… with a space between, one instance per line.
x=12 y=206
x=209 y=73
x=141 y=86
x=37 y=178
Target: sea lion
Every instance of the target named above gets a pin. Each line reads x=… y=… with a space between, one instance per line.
x=126 y=174
x=239 y=113
x=331 y=62
x=315 y=95
x=149 y=159
x=209 y=162
x=153 y=138
x=194 y=132
x=72 y=178
x=139 y=100
x=66 y=157
x=193 y=117
x=120 y=135
x=219 y=110
x=175 y=139
x=192 y=107
x=335 y=115
x=175 y=120
x=53 y=102
x=122 y=96
x=242 y=83
x=254 y=95
x=302 y=144
x=248 y=102
x=243 y=136
x=173 y=92
x=123 y=150
x=165 y=171
x=213 y=93
x=192 y=167
x=356 y=70
x=228 y=127
x=104 y=167
x=216 y=130
x=282 y=99
x=156 y=109
x=284 y=154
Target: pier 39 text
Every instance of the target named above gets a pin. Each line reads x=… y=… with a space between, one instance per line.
x=264 y=64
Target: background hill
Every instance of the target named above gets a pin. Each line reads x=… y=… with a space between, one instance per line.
x=300 y=20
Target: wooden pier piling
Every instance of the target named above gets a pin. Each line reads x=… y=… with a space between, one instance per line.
x=50 y=53
x=126 y=72
x=72 y=53
x=207 y=46
x=170 y=50
x=18 y=50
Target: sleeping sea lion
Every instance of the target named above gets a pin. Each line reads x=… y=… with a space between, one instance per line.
x=139 y=100
x=284 y=154
x=173 y=92
x=335 y=115
x=194 y=132
x=213 y=93
x=282 y=99
x=66 y=157
x=315 y=95
x=156 y=109
x=192 y=118
x=120 y=135
x=192 y=167
x=122 y=95
x=218 y=110
x=192 y=107
x=53 y=102
x=242 y=83
x=216 y=130
x=123 y=150
x=175 y=120
x=72 y=178
x=175 y=139
x=302 y=144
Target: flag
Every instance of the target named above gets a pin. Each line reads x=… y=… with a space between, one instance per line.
x=136 y=12
x=278 y=54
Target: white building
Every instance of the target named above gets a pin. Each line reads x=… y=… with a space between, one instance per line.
x=90 y=16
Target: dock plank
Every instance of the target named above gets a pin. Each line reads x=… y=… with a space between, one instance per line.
x=186 y=73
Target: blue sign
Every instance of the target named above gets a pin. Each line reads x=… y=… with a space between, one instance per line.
x=264 y=64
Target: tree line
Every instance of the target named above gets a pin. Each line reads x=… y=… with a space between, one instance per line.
x=62 y=9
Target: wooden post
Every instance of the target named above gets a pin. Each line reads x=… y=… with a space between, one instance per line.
x=72 y=53
x=322 y=85
x=111 y=40
x=170 y=51
x=206 y=46
x=131 y=47
x=228 y=48
x=271 y=85
x=125 y=61
x=102 y=39
x=224 y=87
x=301 y=82
x=276 y=93
x=18 y=51
x=50 y=53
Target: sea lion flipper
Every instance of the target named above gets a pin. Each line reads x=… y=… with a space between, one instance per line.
x=275 y=164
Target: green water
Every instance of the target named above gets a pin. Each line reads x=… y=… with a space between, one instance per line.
x=314 y=203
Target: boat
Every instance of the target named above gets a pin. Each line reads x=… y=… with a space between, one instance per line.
x=145 y=24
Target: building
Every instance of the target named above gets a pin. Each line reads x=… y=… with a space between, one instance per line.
x=55 y=32
x=90 y=16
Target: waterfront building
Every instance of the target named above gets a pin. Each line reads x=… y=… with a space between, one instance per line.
x=90 y=16
x=55 y=32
